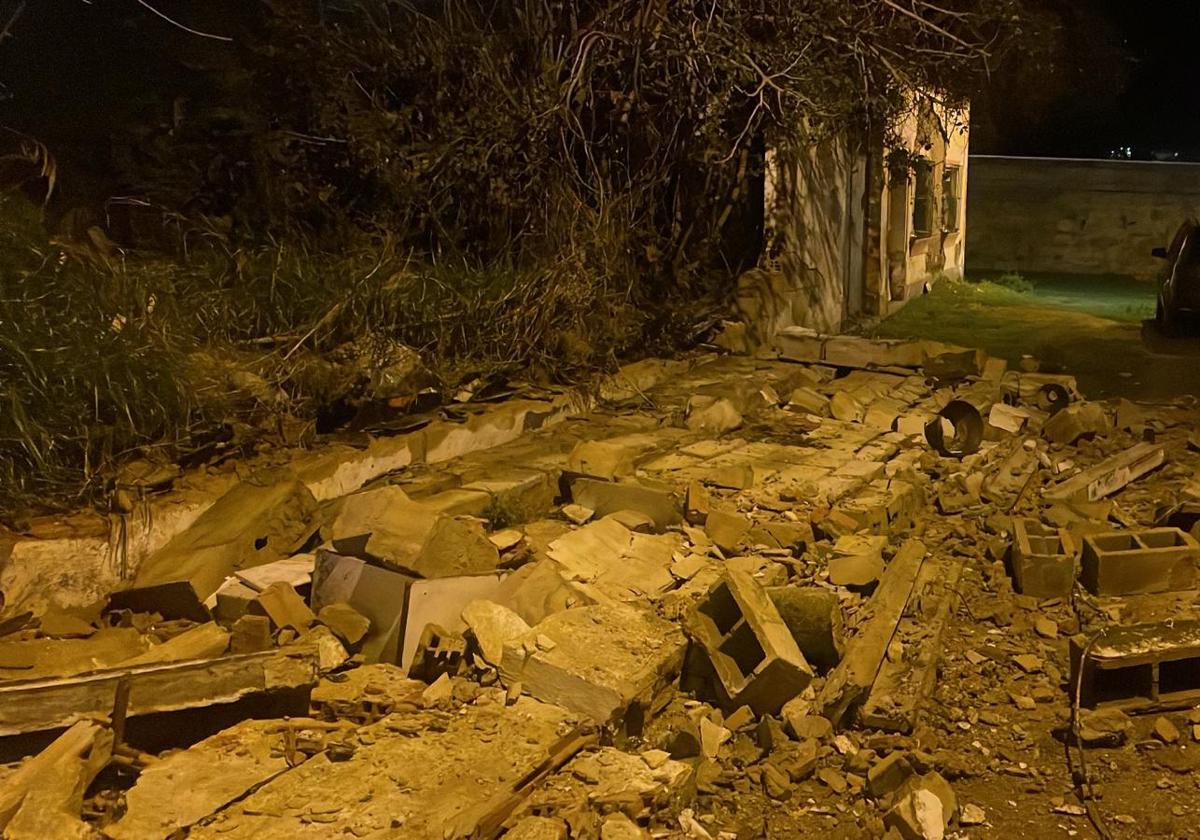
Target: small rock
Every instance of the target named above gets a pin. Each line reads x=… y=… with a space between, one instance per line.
x=888 y=774
x=972 y=814
x=712 y=736
x=845 y=407
x=716 y=417
x=1045 y=627
x=1103 y=727
x=776 y=783
x=655 y=758
x=577 y=513
x=835 y=780
x=620 y=827
x=1028 y=662
x=492 y=625
x=918 y=816
x=1166 y=731
x=506 y=539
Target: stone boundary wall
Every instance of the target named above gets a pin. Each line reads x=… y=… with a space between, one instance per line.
x=1075 y=216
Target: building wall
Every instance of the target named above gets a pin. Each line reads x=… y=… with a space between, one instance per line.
x=909 y=260
x=1076 y=216
x=838 y=228
x=813 y=223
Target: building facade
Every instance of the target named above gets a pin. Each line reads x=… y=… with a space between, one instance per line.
x=854 y=228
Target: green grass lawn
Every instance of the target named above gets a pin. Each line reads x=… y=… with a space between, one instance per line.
x=1090 y=327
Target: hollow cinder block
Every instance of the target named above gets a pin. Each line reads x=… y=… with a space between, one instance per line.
x=1138 y=562
x=756 y=659
x=1043 y=560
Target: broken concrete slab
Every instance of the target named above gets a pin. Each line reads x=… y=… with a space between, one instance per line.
x=605 y=497
x=604 y=658
x=204 y=641
x=848 y=683
x=460 y=778
x=1076 y=421
x=616 y=562
x=284 y=607
x=43 y=798
x=41 y=704
x=386 y=525
x=727 y=530
x=187 y=786
x=27 y=659
x=347 y=623
x=1109 y=476
x=249 y=526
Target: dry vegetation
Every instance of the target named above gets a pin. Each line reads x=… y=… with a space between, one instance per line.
x=542 y=186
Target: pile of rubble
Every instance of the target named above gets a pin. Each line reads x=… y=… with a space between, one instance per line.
x=720 y=605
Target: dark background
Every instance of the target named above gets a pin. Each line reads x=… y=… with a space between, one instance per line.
x=1123 y=75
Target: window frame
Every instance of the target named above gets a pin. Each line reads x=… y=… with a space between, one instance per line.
x=922 y=205
x=952 y=222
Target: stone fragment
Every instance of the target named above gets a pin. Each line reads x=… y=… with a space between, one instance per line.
x=918 y=816
x=1028 y=662
x=1047 y=628
x=696 y=503
x=284 y=606
x=972 y=815
x=888 y=774
x=855 y=570
x=250 y=634
x=506 y=539
x=809 y=401
x=1166 y=731
x=712 y=416
x=777 y=784
x=1078 y=420
x=493 y=626
x=1103 y=727
x=843 y=406
x=727 y=530
x=712 y=737
x=347 y=623
x=604 y=497
x=577 y=513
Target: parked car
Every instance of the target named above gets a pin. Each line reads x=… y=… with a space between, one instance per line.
x=1179 y=281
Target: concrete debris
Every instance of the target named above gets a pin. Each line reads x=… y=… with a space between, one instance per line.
x=805 y=628
x=492 y=627
x=712 y=416
x=604 y=659
x=756 y=659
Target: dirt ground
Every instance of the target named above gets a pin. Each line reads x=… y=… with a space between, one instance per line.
x=580 y=696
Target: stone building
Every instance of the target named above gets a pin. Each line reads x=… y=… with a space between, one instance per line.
x=854 y=227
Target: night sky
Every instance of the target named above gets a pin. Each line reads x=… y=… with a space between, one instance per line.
x=1129 y=78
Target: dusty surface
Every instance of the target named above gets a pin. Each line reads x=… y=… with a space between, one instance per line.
x=974 y=680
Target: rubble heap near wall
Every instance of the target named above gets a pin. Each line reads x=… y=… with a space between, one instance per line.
x=840 y=590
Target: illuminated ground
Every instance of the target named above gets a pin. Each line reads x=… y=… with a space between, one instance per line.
x=1099 y=328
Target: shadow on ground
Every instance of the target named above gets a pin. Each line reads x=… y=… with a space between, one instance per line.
x=1104 y=335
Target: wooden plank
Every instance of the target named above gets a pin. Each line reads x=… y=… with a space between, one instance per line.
x=1109 y=476
x=848 y=683
x=902 y=686
x=37 y=705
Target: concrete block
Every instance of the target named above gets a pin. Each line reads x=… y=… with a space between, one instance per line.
x=756 y=659
x=1139 y=668
x=1043 y=560
x=1138 y=562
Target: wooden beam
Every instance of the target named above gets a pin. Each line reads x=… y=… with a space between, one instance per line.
x=38 y=705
